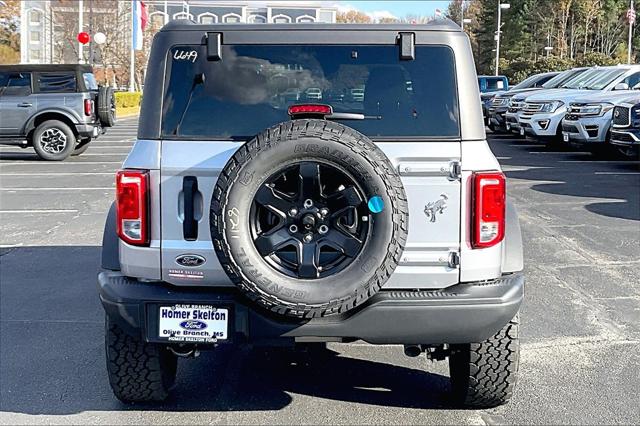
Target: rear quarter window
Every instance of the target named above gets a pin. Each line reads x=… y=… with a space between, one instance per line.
x=251 y=88
x=61 y=82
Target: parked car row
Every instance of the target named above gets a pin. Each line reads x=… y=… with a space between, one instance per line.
x=587 y=108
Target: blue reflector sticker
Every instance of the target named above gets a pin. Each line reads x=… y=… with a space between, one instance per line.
x=376 y=204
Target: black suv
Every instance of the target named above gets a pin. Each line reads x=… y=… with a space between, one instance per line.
x=57 y=109
x=625 y=132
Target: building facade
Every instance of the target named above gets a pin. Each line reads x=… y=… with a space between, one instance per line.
x=48 y=27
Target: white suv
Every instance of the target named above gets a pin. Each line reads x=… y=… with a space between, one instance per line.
x=543 y=112
x=588 y=120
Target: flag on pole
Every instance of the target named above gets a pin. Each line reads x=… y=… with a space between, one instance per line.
x=140 y=18
x=631 y=16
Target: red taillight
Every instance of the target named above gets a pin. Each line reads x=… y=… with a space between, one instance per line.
x=132 y=205
x=310 y=109
x=489 y=195
x=88 y=107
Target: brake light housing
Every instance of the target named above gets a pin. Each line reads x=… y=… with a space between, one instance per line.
x=489 y=203
x=132 y=206
x=306 y=110
x=88 y=107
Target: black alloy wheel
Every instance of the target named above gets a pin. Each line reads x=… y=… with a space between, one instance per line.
x=309 y=220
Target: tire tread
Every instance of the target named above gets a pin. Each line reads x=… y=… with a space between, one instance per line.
x=359 y=144
x=138 y=371
x=484 y=374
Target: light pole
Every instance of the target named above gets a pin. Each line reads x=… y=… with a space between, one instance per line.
x=500 y=7
x=80 y=29
x=631 y=17
x=548 y=48
x=463 y=20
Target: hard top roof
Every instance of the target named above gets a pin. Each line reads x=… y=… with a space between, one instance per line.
x=442 y=24
x=45 y=67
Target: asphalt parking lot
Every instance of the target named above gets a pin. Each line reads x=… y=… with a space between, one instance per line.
x=580 y=360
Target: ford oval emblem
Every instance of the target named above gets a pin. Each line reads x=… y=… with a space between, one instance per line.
x=193 y=325
x=190 y=260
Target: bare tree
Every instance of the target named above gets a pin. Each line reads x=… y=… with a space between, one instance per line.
x=353 y=17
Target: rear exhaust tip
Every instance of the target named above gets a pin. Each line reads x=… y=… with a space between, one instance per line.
x=412 y=350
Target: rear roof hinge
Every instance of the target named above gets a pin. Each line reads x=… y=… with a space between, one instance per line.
x=454 y=260
x=407 y=43
x=214 y=46
x=455 y=170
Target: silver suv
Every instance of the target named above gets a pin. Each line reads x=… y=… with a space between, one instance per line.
x=246 y=216
x=56 y=109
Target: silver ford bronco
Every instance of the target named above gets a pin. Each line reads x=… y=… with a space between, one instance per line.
x=302 y=184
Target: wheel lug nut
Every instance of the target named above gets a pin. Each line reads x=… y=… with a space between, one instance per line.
x=324 y=211
x=293 y=229
x=308 y=238
x=323 y=229
x=293 y=212
x=308 y=203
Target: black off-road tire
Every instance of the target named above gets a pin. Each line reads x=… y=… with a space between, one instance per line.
x=257 y=160
x=484 y=374
x=138 y=371
x=58 y=126
x=106 y=106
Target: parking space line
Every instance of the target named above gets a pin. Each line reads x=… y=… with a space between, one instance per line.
x=560 y=152
x=103 y=154
x=617 y=173
x=120 y=146
x=59 y=163
x=58 y=174
x=594 y=161
x=527 y=146
x=86 y=188
x=40 y=211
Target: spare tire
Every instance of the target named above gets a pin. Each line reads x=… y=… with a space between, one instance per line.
x=309 y=218
x=106 y=102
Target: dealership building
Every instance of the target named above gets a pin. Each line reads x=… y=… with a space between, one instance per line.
x=48 y=27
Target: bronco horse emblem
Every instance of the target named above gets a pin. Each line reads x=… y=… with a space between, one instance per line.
x=436 y=207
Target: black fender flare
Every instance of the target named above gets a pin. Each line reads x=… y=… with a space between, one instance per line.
x=110 y=242
x=64 y=116
x=512 y=255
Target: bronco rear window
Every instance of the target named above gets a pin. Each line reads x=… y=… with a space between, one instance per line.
x=252 y=86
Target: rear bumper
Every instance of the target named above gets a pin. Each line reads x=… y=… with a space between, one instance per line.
x=88 y=130
x=464 y=313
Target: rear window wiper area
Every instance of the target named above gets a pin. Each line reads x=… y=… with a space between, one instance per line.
x=352 y=116
x=198 y=79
